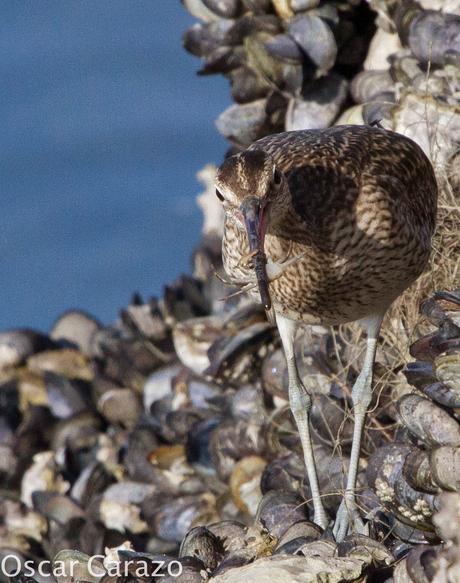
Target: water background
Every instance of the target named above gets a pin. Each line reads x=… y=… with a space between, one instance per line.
x=104 y=125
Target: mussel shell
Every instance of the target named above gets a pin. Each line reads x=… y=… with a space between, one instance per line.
x=437 y=312
x=120 y=406
x=435 y=38
x=184 y=299
x=192 y=340
x=93 y=480
x=120 y=506
x=301 y=5
x=380 y=109
x=201 y=543
x=192 y=570
x=443 y=394
x=198 y=9
x=57 y=507
x=445 y=467
x=201 y=39
x=404 y=68
x=231 y=441
x=181 y=422
x=17 y=345
x=257 y=6
x=76 y=328
x=159 y=385
x=383 y=44
x=264 y=61
x=319 y=104
x=316 y=40
x=447 y=518
x=368 y=84
x=351 y=116
x=278 y=510
x=324 y=548
x=329 y=421
x=293 y=546
x=303 y=529
x=364 y=548
x=198 y=445
x=171 y=518
x=283 y=47
x=384 y=474
x=9 y=463
x=230 y=533
x=417 y=471
x=82 y=567
x=42 y=475
x=222 y=60
x=420 y=374
x=251 y=24
x=10 y=410
x=66 y=397
x=243 y=124
x=67 y=362
x=426 y=347
x=247 y=403
x=283 y=473
x=447 y=367
x=226 y=352
x=247 y=85
x=224 y=8
x=419 y=566
x=428 y=422
x=283 y=8
x=245 y=483
x=275 y=375
x=406 y=532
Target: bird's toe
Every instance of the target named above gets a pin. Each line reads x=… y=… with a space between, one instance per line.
x=348 y=520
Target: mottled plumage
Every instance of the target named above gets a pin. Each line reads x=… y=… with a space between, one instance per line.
x=328 y=226
x=362 y=211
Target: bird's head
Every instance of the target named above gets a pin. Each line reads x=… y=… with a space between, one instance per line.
x=250 y=187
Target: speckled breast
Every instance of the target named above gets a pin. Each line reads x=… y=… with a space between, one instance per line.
x=362 y=274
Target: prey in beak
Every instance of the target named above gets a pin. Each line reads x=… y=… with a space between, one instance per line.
x=254 y=220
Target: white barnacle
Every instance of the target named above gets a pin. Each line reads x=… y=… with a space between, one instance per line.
x=422 y=507
x=384 y=491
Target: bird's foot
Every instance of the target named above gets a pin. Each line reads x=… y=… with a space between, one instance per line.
x=348 y=520
x=274 y=269
x=247 y=261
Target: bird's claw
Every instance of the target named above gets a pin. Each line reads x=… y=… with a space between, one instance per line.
x=348 y=520
x=275 y=269
x=247 y=260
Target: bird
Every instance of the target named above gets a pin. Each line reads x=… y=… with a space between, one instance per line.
x=328 y=226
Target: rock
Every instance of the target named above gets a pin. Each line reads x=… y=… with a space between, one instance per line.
x=283 y=569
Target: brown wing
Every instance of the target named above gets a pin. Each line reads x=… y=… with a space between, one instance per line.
x=328 y=170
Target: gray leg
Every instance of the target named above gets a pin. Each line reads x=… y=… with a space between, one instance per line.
x=300 y=402
x=361 y=396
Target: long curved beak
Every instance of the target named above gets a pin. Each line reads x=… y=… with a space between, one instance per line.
x=252 y=212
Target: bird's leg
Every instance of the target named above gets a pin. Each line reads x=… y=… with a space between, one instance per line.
x=361 y=396
x=300 y=402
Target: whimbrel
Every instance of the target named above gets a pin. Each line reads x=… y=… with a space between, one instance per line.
x=327 y=227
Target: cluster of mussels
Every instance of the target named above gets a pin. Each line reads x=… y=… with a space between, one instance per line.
x=167 y=438
x=306 y=64
x=412 y=475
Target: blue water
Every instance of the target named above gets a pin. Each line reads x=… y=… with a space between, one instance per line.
x=104 y=125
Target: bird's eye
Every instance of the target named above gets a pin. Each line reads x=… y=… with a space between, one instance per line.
x=277 y=177
x=219 y=195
